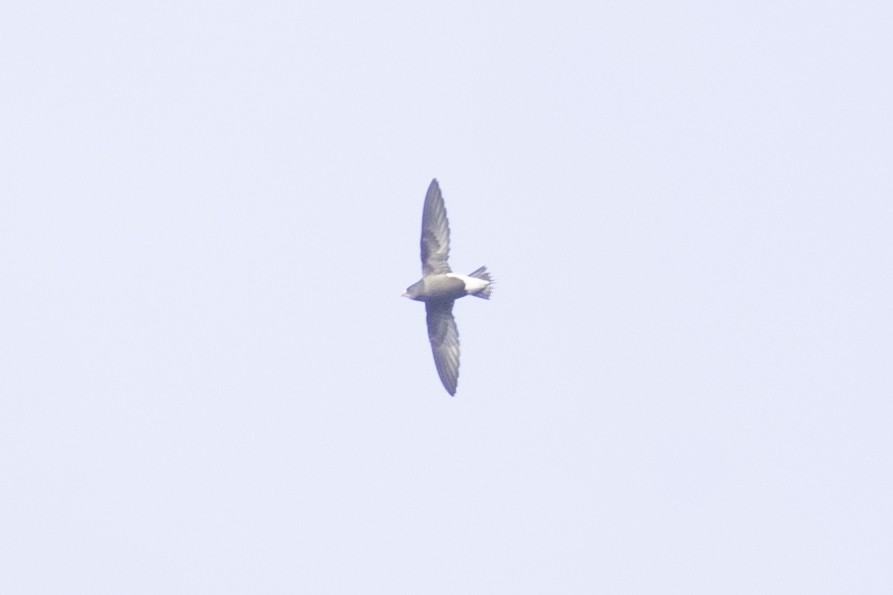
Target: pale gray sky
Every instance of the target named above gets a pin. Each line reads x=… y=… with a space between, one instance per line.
x=210 y=382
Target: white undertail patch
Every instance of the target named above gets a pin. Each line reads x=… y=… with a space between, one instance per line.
x=472 y=284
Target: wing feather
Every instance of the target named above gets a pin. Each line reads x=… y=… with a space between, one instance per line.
x=435 y=233
x=444 y=337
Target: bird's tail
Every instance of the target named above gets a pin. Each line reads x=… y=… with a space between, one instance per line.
x=482 y=273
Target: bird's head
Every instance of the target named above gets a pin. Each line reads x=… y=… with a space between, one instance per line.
x=412 y=292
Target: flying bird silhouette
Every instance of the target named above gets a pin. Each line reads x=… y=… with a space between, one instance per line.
x=439 y=288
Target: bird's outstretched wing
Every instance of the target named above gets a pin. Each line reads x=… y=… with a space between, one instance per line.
x=435 y=233
x=444 y=338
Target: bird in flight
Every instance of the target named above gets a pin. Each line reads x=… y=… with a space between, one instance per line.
x=439 y=287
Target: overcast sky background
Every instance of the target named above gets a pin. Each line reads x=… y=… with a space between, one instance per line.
x=210 y=382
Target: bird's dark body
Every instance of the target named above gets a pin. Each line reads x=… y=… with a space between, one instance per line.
x=437 y=288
